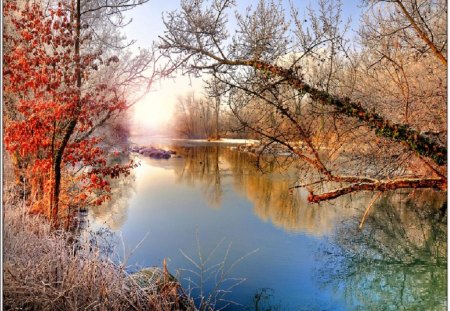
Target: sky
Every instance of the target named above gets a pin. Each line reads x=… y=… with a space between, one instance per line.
x=154 y=110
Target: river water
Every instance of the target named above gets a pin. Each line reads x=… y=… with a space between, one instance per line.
x=241 y=239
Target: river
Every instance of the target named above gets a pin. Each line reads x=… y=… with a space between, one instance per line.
x=239 y=237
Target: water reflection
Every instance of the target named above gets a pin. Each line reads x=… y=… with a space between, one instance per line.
x=113 y=213
x=272 y=200
x=398 y=261
x=206 y=166
x=201 y=167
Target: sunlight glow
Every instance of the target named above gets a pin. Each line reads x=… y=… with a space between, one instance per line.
x=155 y=109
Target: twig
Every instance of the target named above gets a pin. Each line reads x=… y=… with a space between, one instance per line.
x=308 y=184
x=363 y=219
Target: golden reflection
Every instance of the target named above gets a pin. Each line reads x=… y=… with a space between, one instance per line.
x=269 y=193
x=273 y=201
x=201 y=168
x=206 y=167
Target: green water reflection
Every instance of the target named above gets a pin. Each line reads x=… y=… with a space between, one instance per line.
x=398 y=261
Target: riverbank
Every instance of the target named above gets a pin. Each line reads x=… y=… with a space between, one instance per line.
x=52 y=270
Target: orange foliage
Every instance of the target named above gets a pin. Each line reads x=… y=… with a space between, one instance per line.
x=40 y=75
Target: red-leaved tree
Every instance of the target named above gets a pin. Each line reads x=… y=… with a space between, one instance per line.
x=54 y=109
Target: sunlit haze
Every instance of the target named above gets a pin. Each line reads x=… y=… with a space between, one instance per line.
x=153 y=112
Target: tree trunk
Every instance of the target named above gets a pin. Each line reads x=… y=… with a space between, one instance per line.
x=417 y=142
x=70 y=128
x=217 y=117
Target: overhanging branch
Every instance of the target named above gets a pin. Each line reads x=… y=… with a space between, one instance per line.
x=417 y=142
x=383 y=185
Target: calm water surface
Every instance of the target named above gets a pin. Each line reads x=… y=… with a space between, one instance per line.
x=292 y=255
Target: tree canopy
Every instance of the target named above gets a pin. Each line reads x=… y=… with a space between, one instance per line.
x=57 y=98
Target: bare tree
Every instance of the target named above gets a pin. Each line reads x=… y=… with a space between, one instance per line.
x=267 y=66
x=395 y=52
x=215 y=90
x=417 y=20
x=193 y=117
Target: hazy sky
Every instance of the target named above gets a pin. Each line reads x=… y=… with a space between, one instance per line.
x=156 y=108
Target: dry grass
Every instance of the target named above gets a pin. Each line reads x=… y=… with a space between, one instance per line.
x=46 y=270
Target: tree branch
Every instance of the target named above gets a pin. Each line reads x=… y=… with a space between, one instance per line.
x=383 y=185
x=122 y=7
x=417 y=142
x=422 y=34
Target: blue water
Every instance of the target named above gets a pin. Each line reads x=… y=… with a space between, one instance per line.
x=295 y=256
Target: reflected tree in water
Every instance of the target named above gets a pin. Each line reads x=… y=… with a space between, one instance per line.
x=398 y=260
x=113 y=213
x=268 y=192
x=201 y=166
x=272 y=200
